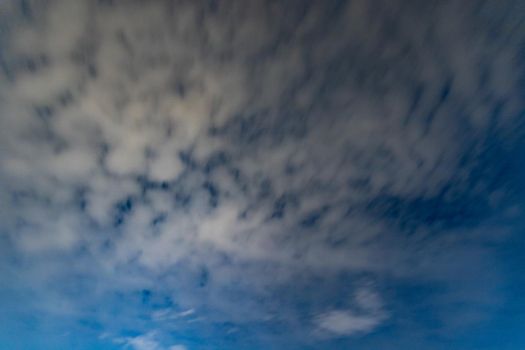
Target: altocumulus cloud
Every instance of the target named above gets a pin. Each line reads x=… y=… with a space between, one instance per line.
x=174 y=171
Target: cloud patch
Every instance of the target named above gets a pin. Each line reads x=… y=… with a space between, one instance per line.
x=346 y=322
x=366 y=315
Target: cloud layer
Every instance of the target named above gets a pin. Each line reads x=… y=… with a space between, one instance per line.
x=222 y=157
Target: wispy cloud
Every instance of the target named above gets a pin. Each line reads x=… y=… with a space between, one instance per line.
x=169 y=314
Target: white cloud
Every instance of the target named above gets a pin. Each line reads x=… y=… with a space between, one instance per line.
x=178 y=347
x=346 y=322
x=148 y=341
x=366 y=315
x=169 y=314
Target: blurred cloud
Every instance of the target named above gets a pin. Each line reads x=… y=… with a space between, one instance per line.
x=345 y=322
x=148 y=341
x=212 y=152
x=368 y=313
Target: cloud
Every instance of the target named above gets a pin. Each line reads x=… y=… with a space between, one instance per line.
x=169 y=314
x=144 y=342
x=367 y=314
x=218 y=153
x=345 y=322
x=177 y=347
x=147 y=341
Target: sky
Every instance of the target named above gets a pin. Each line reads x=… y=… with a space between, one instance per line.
x=186 y=175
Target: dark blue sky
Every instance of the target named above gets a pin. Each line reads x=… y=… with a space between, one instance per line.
x=185 y=175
